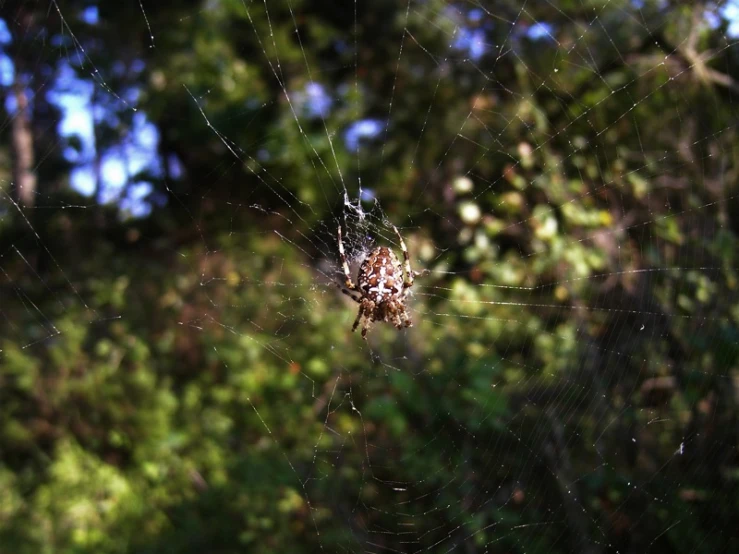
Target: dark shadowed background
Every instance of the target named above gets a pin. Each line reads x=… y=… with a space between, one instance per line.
x=177 y=368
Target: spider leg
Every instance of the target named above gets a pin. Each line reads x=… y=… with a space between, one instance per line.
x=407 y=319
x=345 y=265
x=408 y=278
x=366 y=310
x=349 y=294
x=356 y=321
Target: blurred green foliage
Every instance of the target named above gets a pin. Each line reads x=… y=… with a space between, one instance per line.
x=188 y=381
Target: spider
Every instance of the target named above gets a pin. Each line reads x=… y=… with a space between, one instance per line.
x=382 y=286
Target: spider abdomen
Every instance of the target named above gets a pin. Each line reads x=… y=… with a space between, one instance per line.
x=380 y=276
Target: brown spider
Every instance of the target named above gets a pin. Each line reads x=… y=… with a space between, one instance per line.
x=382 y=286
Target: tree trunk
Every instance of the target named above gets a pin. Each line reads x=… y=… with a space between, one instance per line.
x=24 y=178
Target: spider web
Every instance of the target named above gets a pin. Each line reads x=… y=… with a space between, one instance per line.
x=541 y=365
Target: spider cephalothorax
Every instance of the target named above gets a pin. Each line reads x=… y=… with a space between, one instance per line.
x=382 y=286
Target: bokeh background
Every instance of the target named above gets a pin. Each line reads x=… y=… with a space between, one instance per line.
x=177 y=368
